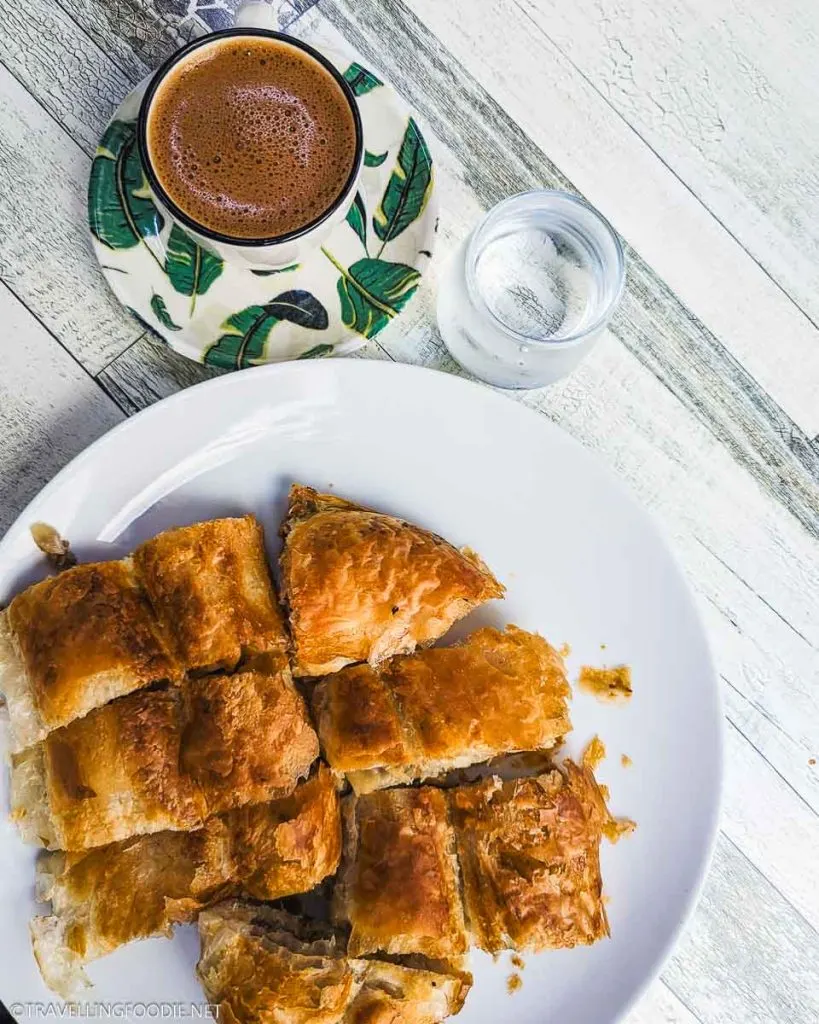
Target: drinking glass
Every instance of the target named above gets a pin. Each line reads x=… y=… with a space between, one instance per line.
x=527 y=294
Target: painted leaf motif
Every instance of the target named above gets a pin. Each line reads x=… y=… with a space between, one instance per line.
x=274 y=270
x=317 y=352
x=246 y=333
x=360 y=80
x=374 y=160
x=191 y=269
x=162 y=314
x=408 y=189
x=299 y=307
x=357 y=218
x=121 y=211
x=372 y=292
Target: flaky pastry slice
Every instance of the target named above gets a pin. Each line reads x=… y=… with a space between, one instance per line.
x=211 y=588
x=529 y=856
x=140 y=887
x=362 y=586
x=194 y=599
x=264 y=966
x=165 y=759
x=76 y=641
x=421 y=715
x=398 y=885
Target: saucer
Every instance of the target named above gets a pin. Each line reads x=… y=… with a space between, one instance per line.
x=230 y=314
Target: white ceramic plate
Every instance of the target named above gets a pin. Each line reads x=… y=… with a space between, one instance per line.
x=582 y=562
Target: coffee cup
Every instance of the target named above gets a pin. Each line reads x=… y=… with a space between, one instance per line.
x=251 y=141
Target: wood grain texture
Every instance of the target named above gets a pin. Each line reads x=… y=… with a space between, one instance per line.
x=719 y=91
x=136 y=36
x=659 y=1005
x=45 y=250
x=57 y=63
x=50 y=409
x=745 y=957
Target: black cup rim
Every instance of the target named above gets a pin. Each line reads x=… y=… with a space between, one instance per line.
x=156 y=186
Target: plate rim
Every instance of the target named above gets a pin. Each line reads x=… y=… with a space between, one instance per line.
x=494 y=398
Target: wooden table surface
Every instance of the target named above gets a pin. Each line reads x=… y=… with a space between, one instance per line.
x=694 y=127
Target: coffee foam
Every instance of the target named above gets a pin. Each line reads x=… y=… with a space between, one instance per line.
x=251 y=137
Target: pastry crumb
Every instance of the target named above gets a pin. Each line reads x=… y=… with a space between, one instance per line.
x=811 y=761
x=564 y=650
x=513 y=983
x=594 y=753
x=626 y=761
x=606 y=683
x=56 y=549
x=615 y=828
x=517 y=961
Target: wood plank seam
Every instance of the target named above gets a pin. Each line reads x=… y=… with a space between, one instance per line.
x=775 y=724
x=50 y=333
x=797 y=912
x=148 y=332
x=66 y=9
x=661 y=978
x=756 y=593
x=49 y=114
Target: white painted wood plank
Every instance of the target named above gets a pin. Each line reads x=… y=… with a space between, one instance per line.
x=62 y=68
x=722 y=91
x=746 y=957
x=45 y=251
x=773 y=829
x=50 y=409
x=647 y=203
x=659 y=1005
x=136 y=37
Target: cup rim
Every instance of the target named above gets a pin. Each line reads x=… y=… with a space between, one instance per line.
x=159 y=191
x=617 y=268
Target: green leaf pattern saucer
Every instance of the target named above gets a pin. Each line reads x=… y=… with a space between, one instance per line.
x=233 y=315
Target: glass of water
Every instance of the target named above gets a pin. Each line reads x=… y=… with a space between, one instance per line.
x=528 y=293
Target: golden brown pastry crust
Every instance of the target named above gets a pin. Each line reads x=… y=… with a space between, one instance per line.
x=529 y=856
x=290 y=845
x=106 y=897
x=261 y=965
x=75 y=641
x=363 y=586
x=446 y=707
x=358 y=723
x=211 y=587
x=246 y=738
x=398 y=887
x=165 y=759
